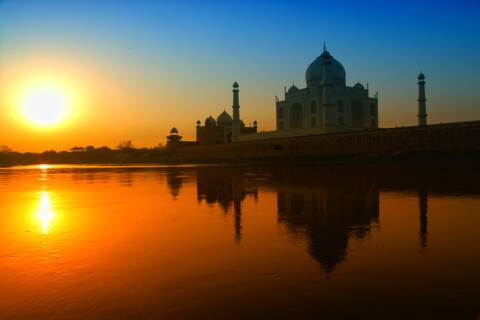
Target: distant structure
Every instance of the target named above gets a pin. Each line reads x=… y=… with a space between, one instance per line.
x=327 y=104
x=236 y=126
x=174 y=140
x=225 y=129
x=422 y=101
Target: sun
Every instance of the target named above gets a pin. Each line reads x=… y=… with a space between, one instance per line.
x=45 y=105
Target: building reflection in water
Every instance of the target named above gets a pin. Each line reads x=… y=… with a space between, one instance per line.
x=328 y=207
x=227 y=187
x=423 y=209
x=125 y=178
x=329 y=211
x=175 y=181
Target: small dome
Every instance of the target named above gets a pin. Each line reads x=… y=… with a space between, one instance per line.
x=235 y=84
x=255 y=123
x=198 y=122
x=210 y=122
x=224 y=118
x=421 y=76
x=174 y=131
x=292 y=89
x=333 y=70
x=359 y=86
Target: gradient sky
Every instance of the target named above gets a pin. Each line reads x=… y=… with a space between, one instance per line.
x=137 y=68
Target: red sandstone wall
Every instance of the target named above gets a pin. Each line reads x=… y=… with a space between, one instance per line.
x=441 y=137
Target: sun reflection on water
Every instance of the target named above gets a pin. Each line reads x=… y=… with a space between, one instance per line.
x=45 y=215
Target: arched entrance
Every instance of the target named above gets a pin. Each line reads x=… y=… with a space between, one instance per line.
x=296 y=116
x=358 y=116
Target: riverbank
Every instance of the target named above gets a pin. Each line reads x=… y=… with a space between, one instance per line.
x=463 y=157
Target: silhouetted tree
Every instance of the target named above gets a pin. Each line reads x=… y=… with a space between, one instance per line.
x=104 y=149
x=125 y=152
x=5 y=149
x=125 y=145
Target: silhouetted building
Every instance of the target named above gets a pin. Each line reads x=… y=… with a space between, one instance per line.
x=174 y=140
x=225 y=129
x=326 y=118
x=422 y=101
x=327 y=103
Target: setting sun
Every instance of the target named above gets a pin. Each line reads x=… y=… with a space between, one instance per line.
x=217 y=159
x=45 y=105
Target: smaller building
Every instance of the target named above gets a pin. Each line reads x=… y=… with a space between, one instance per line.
x=226 y=129
x=174 y=140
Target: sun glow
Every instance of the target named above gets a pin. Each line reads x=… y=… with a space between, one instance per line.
x=44 y=213
x=45 y=105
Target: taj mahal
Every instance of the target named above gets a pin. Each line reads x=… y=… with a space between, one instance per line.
x=325 y=105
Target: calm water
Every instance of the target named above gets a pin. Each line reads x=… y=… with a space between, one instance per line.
x=238 y=242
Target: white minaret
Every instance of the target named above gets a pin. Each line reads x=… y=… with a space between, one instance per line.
x=422 y=101
x=236 y=114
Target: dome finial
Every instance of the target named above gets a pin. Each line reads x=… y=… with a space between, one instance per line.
x=324 y=46
x=335 y=71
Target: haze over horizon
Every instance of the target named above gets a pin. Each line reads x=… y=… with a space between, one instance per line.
x=133 y=69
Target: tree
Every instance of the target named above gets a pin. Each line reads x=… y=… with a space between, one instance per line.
x=5 y=149
x=104 y=149
x=125 y=145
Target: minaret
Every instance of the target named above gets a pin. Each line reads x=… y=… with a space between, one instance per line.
x=422 y=101
x=327 y=86
x=236 y=114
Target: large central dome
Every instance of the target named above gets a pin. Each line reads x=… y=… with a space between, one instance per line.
x=334 y=70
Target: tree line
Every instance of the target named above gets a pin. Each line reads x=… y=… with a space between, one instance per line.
x=125 y=152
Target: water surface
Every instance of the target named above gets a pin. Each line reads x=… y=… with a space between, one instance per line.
x=239 y=242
